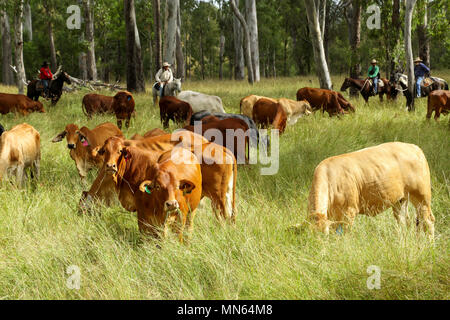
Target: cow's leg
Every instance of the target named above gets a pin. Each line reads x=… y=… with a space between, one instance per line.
x=425 y=218
x=119 y=123
x=437 y=114
x=127 y=122
x=400 y=210
x=36 y=170
x=20 y=175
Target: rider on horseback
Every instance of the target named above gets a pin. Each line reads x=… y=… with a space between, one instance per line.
x=163 y=77
x=45 y=76
x=420 y=71
x=374 y=75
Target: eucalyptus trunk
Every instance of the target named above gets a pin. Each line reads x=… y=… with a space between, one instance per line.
x=18 y=41
x=89 y=31
x=7 y=73
x=408 y=48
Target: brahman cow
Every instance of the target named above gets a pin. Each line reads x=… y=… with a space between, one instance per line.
x=294 y=109
x=19 y=103
x=81 y=142
x=247 y=104
x=171 y=108
x=123 y=106
x=20 y=149
x=94 y=103
x=368 y=182
x=152 y=133
x=268 y=113
x=170 y=195
x=218 y=165
x=439 y=102
x=200 y=101
x=331 y=101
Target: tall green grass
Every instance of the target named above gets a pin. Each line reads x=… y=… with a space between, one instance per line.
x=260 y=257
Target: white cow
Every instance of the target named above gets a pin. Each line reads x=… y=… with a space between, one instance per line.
x=200 y=101
x=295 y=109
x=20 y=148
x=368 y=182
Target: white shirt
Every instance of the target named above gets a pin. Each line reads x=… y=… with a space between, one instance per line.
x=164 y=75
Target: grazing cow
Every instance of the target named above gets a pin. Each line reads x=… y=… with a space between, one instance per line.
x=171 y=108
x=439 y=102
x=247 y=104
x=331 y=101
x=266 y=113
x=170 y=195
x=19 y=103
x=201 y=101
x=233 y=134
x=123 y=106
x=360 y=183
x=94 y=103
x=82 y=141
x=295 y=109
x=20 y=149
x=218 y=165
x=152 y=133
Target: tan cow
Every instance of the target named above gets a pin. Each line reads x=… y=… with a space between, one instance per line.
x=82 y=141
x=368 y=182
x=295 y=109
x=20 y=149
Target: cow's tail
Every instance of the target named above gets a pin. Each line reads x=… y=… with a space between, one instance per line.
x=318 y=200
x=83 y=107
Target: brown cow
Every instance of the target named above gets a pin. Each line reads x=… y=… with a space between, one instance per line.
x=218 y=167
x=82 y=141
x=152 y=133
x=331 y=101
x=231 y=133
x=171 y=193
x=94 y=103
x=266 y=113
x=123 y=106
x=19 y=103
x=171 y=108
x=439 y=102
x=20 y=149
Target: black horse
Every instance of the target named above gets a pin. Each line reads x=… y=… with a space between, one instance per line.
x=35 y=89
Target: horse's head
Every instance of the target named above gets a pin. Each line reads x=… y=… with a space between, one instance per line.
x=176 y=86
x=346 y=84
x=65 y=77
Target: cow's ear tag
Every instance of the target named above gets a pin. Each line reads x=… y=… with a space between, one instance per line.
x=85 y=143
x=129 y=98
x=147 y=189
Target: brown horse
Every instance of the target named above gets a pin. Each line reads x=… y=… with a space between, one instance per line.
x=365 y=87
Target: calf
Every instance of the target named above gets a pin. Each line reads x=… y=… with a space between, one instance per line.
x=123 y=106
x=81 y=142
x=330 y=101
x=20 y=149
x=171 y=193
x=94 y=103
x=171 y=108
x=19 y=103
x=267 y=112
x=359 y=183
x=439 y=102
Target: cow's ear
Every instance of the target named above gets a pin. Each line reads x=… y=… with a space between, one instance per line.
x=59 y=137
x=126 y=154
x=146 y=187
x=83 y=139
x=186 y=186
x=98 y=151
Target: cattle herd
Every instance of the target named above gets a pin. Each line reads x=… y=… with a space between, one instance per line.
x=163 y=176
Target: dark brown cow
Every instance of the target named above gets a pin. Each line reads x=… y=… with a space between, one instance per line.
x=82 y=141
x=171 y=108
x=123 y=106
x=331 y=101
x=268 y=113
x=152 y=133
x=19 y=103
x=218 y=165
x=94 y=103
x=439 y=102
x=234 y=135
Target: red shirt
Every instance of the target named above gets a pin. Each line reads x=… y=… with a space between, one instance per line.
x=46 y=74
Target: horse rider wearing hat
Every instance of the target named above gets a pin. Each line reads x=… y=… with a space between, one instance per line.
x=163 y=77
x=374 y=75
x=420 y=71
x=45 y=75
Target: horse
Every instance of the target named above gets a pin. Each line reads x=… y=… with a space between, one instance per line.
x=434 y=83
x=365 y=87
x=54 y=88
x=399 y=83
x=170 y=89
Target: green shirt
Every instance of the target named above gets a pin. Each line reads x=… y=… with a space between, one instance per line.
x=373 y=71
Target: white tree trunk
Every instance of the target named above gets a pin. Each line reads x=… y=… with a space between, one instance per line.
x=239 y=64
x=140 y=78
x=7 y=73
x=252 y=21
x=18 y=39
x=170 y=44
x=408 y=48
x=89 y=31
x=28 y=24
x=317 y=42
x=179 y=50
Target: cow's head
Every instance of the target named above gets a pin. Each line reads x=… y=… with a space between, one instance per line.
x=177 y=86
x=113 y=151
x=38 y=107
x=123 y=100
x=73 y=135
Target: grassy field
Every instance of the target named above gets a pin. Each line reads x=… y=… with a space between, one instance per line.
x=260 y=257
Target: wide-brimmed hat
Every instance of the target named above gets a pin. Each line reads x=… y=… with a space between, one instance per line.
x=418 y=60
x=166 y=64
x=45 y=64
x=374 y=61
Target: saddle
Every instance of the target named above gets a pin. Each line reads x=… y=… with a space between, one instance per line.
x=380 y=83
x=427 y=82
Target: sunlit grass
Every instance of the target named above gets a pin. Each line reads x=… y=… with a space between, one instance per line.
x=41 y=233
